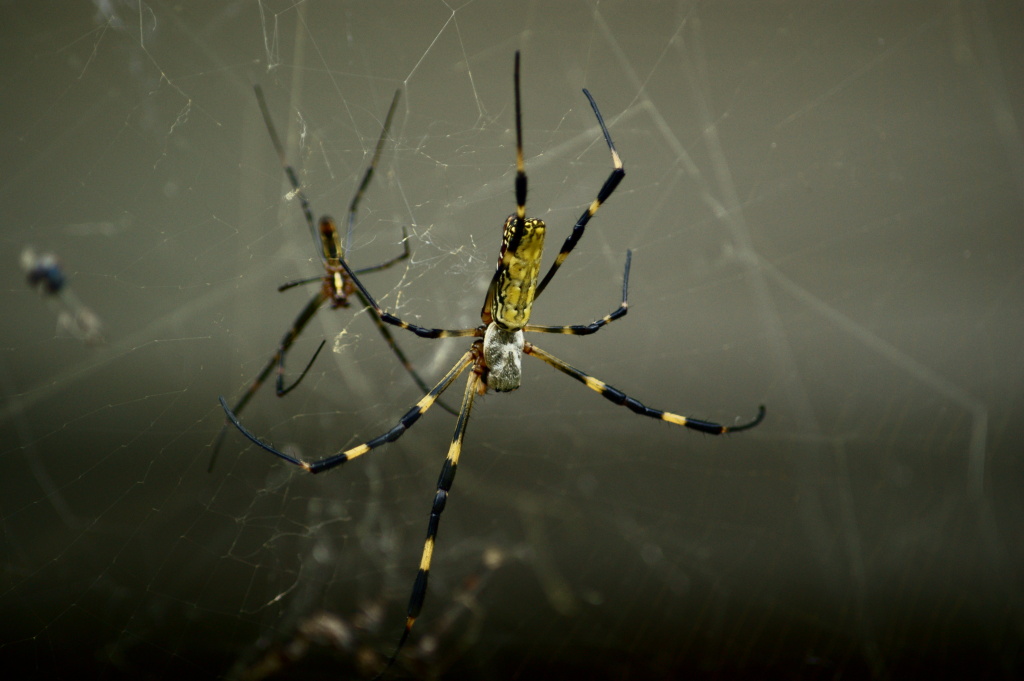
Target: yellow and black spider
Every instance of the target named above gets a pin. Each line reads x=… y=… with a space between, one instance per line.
x=335 y=284
x=494 y=359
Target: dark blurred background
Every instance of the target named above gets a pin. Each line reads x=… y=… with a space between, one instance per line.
x=824 y=203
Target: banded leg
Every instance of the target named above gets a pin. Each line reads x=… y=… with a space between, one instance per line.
x=587 y=329
x=515 y=225
x=277 y=360
x=444 y=485
x=618 y=172
x=520 y=163
x=341 y=457
x=620 y=398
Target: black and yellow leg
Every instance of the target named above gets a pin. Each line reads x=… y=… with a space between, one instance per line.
x=444 y=485
x=388 y=318
x=618 y=172
x=403 y=425
x=520 y=163
x=622 y=399
x=587 y=329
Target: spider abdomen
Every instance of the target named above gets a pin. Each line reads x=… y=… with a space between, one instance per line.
x=503 y=355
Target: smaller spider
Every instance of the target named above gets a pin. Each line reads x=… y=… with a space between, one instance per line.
x=494 y=360
x=335 y=284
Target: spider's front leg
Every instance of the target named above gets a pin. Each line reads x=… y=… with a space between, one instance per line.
x=614 y=178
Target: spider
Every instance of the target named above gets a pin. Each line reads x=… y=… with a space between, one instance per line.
x=335 y=284
x=494 y=359
x=45 y=273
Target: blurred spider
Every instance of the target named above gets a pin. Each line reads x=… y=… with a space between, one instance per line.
x=335 y=284
x=44 y=272
x=494 y=360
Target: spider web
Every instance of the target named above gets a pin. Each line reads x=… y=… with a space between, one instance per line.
x=824 y=205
